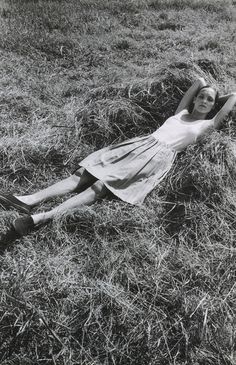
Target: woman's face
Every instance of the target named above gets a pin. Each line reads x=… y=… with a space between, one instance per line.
x=205 y=100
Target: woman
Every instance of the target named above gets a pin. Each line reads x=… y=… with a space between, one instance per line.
x=130 y=170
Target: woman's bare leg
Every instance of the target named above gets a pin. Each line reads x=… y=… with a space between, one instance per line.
x=68 y=185
x=97 y=191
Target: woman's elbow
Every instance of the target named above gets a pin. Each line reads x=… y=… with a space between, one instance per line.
x=201 y=79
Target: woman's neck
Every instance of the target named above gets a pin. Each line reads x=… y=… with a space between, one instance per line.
x=195 y=115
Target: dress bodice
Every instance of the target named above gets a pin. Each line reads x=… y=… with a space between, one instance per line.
x=178 y=134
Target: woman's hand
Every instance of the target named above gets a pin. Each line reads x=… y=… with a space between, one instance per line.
x=201 y=82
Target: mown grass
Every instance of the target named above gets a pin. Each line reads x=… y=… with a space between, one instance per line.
x=114 y=283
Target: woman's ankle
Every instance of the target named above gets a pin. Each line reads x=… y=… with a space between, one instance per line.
x=41 y=218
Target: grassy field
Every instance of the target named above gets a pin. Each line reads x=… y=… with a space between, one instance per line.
x=114 y=284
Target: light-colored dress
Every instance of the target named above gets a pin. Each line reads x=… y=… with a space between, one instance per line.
x=132 y=169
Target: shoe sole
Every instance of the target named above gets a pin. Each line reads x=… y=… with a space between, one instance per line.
x=9 y=203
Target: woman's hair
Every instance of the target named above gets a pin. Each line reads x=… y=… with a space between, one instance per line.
x=213 y=111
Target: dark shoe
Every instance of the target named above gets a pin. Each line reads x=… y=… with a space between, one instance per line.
x=23 y=225
x=9 y=201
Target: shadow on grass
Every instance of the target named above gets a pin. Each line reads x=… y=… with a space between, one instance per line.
x=174 y=218
x=6 y=239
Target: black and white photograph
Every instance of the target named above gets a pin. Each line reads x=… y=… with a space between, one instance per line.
x=117 y=182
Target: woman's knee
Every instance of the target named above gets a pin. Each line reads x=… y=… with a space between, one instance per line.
x=99 y=188
x=83 y=177
x=81 y=172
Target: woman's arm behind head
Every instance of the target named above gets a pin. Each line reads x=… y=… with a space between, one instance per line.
x=190 y=93
x=229 y=102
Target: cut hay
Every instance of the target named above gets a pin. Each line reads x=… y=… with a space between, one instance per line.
x=116 y=284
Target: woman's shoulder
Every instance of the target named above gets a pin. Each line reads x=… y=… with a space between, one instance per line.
x=182 y=112
x=178 y=115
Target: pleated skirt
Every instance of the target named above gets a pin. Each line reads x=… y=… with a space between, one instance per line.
x=131 y=169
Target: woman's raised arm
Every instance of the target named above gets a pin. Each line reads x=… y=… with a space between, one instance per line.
x=230 y=101
x=190 y=93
